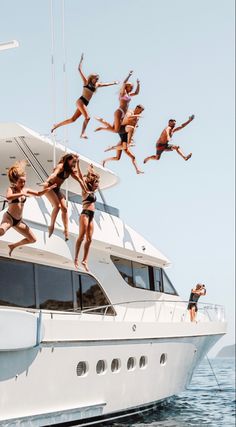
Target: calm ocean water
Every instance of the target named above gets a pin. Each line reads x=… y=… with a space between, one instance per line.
x=201 y=405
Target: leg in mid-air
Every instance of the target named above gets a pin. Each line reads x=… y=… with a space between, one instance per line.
x=29 y=236
x=87 y=244
x=75 y=116
x=154 y=157
x=83 y=225
x=55 y=201
x=180 y=152
x=64 y=217
x=115 y=158
x=132 y=156
x=118 y=117
x=5 y=224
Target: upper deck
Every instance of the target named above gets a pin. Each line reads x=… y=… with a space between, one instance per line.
x=19 y=142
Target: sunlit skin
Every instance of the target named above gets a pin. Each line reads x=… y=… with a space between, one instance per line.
x=130 y=123
x=86 y=226
x=82 y=102
x=19 y=191
x=162 y=143
x=57 y=198
x=126 y=93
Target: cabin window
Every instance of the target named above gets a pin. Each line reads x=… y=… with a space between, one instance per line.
x=77 y=290
x=125 y=268
x=167 y=285
x=144 y=276
x=92 y=295
x=141 y=275
x=54 y=288
x=16 y=284
x=157 y=279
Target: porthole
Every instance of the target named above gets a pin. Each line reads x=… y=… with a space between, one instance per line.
x=115 y=365
x=101 y=367
x=82 y=369
x=163 y=359
x=143 y=362
x=131 y=363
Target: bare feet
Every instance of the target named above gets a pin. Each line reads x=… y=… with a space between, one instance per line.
x=145 y=160
x=76 y=263
x=83 y=136
x=11 y=248
x=103 y=163
x=54 y=127
x=138 y=172
x=66 y=234
x=85 y=265
x=50 y=230
x=188 y=157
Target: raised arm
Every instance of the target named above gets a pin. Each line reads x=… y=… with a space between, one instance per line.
x=108 y=84
x=184 y=124
x=84 y=78
x=78 y=176
x=122 y=90
x=136 y=92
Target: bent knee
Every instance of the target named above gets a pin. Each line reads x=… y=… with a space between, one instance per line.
x=87 y=118
x=32 y=239
x=88 y=239
x=2 y=232
x=64 y=209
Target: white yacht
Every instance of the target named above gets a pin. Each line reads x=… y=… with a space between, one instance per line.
x=79 y=348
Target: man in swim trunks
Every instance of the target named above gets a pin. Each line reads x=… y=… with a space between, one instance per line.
x=163 y=141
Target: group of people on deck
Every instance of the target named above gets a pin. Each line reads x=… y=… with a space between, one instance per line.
x=125 y=123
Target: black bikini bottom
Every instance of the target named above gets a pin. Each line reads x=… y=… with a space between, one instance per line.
x=84 y=100
x=88 y=213
x=14 y=220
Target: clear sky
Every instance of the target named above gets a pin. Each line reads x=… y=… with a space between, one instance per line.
x=183 y=53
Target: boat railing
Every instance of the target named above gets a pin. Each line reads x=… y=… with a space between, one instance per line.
x=159 y=311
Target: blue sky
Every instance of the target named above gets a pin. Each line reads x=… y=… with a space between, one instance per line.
x=183 y=53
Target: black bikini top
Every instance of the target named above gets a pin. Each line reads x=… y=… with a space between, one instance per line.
x=90 y=86
x=91 y=198
x=17 y=200
x=63 y=175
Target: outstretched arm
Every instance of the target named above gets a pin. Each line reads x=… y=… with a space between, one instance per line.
x=78 y=176
x=184 y=124
x=30 y=192
x=136 y=92
x=108 y=84
x=122 y=91
x=11 y=196
x=84 y=78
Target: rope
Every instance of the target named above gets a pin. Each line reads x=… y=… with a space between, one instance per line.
x=65 y=84
x=217 y=382
x=53 y=79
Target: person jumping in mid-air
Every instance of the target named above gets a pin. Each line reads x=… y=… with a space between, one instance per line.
x=126 y=133
x=91 y=84
x=125 y=98
x=163 y=141
x=16 y=197
x=89 y=185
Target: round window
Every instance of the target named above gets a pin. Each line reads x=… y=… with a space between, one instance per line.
x=163 y=359
x=143 y=362
x=81 y=369
x=101 y=367
x=131 y=364
x=115 y=365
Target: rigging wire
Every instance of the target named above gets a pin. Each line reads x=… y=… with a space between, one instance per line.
x=53 y=88
x=64 y=83
x=217 y=382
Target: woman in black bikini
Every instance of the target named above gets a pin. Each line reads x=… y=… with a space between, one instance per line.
x=16 y=197
x=65 y=168
x=89 y=184
x=91 y=84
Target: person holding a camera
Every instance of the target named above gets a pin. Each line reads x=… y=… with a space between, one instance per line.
x=193 y=299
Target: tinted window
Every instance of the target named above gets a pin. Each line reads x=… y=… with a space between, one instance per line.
x=125 y=268
x=16 y=284
x=141 y=275
x=167 y=285
x=76 y=282
x=157 y=279
x=54 y=288
x=92 y=294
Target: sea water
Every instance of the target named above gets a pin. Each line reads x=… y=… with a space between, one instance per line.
x=203 y=404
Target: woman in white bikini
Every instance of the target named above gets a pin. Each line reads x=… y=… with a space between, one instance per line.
x=125 y=97
x=16 y=197
x=91 y=84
